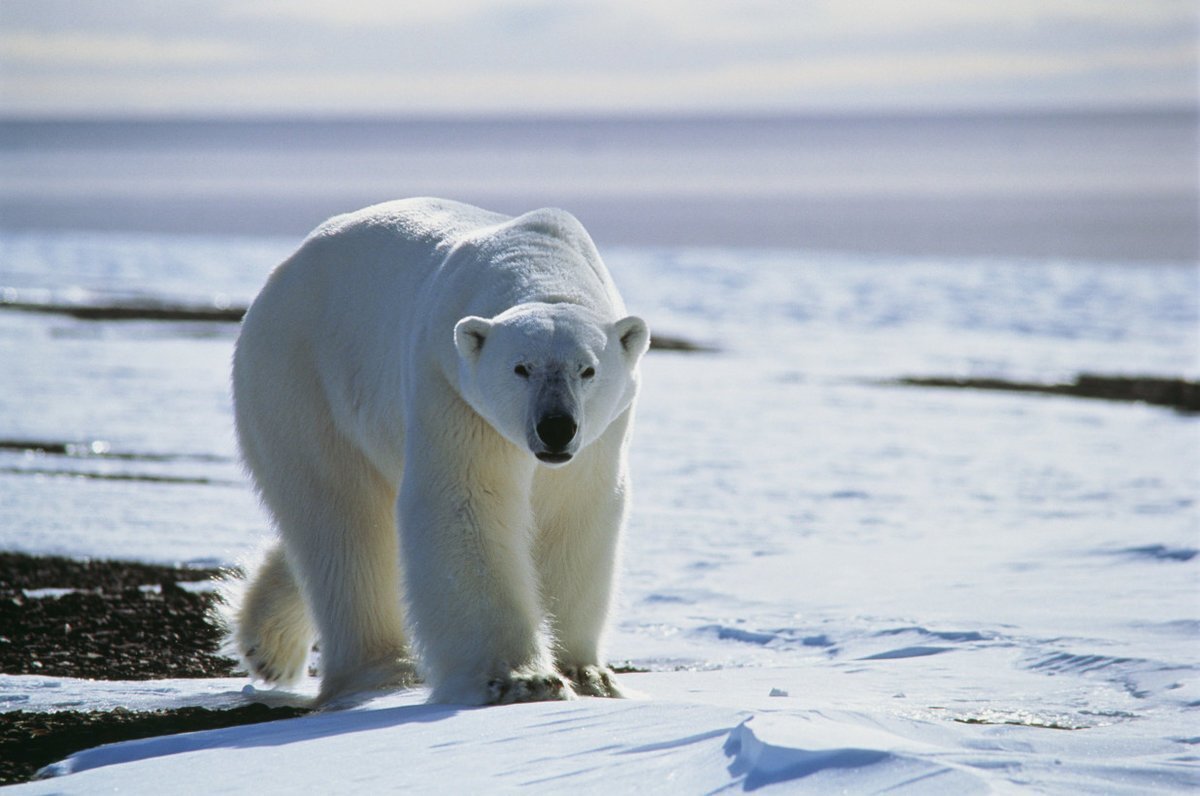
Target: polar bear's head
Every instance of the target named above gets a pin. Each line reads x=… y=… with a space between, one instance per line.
x=549 y=377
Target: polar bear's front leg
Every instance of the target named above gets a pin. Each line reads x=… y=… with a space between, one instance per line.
x=472 y=591
x=580 y=511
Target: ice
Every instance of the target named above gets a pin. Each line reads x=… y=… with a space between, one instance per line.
x=37 y=693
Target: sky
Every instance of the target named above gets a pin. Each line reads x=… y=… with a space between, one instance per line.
x=388 y=57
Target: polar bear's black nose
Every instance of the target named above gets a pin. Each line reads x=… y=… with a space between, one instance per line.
x=556 y=431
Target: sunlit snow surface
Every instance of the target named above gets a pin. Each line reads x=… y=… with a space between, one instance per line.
x=955 y=590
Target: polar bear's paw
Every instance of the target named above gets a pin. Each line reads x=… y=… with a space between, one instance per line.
x=593 y=680
x=527 y=687
x=274 y=664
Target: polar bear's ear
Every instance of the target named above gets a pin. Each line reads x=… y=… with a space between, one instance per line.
x=634 y=337
x=469 y=336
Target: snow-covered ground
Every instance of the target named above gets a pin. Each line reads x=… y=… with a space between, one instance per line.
x=803 y=728
x=836 y=584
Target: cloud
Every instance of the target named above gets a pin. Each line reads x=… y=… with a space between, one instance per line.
x=919 y=80
x=364 y=13
x=96 y=49
x=884 y=17
x=739 y=20
x=929 y=69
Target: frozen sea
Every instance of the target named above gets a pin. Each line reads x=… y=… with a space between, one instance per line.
x=836 y=583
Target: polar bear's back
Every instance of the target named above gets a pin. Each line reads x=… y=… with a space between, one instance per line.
x=356 y=266
x=427 y=222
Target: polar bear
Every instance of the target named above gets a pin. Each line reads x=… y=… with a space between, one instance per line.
x=434 y=401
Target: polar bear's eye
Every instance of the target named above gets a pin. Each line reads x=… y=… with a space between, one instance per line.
x=521 y=371
x=587 y=373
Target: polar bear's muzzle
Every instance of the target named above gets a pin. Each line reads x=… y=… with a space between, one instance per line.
x=555 y=433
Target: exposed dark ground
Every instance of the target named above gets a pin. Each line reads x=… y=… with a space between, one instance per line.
x=122 y=621
x=1179 y=394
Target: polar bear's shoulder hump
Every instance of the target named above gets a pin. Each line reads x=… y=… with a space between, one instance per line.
x=421 y=217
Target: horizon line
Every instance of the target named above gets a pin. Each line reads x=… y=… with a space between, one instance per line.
x=582 y=115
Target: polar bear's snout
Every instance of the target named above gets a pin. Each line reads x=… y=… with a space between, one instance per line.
x=554 y=423
x=556 y=431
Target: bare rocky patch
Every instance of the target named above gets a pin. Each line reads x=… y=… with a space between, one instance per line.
x=105 y=620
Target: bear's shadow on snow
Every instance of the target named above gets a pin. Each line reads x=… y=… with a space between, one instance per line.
x=315 y=726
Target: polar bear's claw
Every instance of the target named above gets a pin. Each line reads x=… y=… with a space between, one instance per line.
x=274 y=671
x=527 y=688
x=593 y=680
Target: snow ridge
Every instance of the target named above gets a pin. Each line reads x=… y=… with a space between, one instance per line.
x=771 y=749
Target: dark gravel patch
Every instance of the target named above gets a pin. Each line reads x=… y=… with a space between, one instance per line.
x=120 y=621
x=1179 y=394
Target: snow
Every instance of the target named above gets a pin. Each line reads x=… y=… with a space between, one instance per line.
x=836 y=584
x=689 y=732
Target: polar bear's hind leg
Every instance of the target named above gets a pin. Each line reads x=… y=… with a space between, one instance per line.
x=272 y=630
x=340 y=532
x=336 y=571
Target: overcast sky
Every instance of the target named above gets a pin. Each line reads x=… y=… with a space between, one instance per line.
x=532 y=56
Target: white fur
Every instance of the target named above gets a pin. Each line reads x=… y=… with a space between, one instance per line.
x=376 y=389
